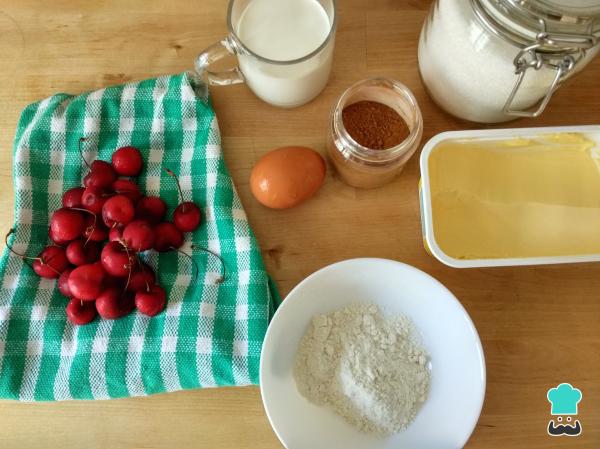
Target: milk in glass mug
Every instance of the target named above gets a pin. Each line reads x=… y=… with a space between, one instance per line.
x=284 y=49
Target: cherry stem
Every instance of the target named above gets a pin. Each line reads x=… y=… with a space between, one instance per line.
x=223 y=265
x=142 y=269
x=93 y=226
x=81 y=140
x=81 y=209
x=196 y=269
x=50 y=266
x=22 y=256
x=128 y=265
x=174 y=176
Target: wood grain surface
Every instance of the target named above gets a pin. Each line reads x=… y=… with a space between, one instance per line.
x=539 y=325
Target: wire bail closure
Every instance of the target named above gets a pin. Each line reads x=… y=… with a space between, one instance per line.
x=560 y=52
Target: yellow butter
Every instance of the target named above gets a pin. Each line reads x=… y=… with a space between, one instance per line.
x=516 y=197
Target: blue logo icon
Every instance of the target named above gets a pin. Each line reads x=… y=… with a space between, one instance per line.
x=564 y=399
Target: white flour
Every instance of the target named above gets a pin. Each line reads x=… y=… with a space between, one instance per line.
x=367 y=367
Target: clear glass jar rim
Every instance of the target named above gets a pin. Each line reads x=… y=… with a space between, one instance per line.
x=368 y=154
x=554 y=9
x=508 y=18
x=238 y=41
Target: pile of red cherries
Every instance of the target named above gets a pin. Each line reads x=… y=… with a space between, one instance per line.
x=98 y=234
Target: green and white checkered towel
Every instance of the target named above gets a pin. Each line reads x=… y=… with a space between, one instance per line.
x=209 y=335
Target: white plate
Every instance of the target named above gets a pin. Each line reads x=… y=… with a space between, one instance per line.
x=457 y=389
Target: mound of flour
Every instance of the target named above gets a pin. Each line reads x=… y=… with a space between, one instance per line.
x=370 y=369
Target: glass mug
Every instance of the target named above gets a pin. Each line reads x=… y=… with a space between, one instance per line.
x=284 y=49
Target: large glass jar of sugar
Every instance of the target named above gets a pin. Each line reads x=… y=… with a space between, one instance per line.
x=494 y=60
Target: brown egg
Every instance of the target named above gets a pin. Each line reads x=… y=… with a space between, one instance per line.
x=287 y=176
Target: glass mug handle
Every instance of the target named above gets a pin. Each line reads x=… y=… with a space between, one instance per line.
x=215 y=52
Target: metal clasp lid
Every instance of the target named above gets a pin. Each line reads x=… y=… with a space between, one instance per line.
x=561 y=52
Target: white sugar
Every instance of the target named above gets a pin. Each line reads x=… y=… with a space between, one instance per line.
x=469 y=71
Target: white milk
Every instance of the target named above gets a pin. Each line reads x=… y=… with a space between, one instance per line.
x=284 y=30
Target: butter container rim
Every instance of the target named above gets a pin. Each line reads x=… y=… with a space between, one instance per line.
x=425 y=196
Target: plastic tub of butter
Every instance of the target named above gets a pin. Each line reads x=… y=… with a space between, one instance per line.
x=521 y=196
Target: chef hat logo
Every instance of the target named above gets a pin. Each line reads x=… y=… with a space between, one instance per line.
x=564 y=399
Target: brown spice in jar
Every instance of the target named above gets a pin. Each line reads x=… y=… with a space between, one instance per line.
x=374 y=125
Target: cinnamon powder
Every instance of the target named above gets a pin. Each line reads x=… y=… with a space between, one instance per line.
x=374 y=125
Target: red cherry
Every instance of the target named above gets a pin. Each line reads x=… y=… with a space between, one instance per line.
x=114 y=282
x=85 y=282
x=128 y=188
x=101 y=175
x=55 y=239
x=115 y=234
x=187 y=216
x=139 y=235
x=142 y=278
x=72 y=197
x=167 y=237
x=117 y=260
x=93 y=199
x=51 y=262
x=117 y=211
x=127 y=161
x=150 y=208
x=151 y=302
x=81 y=253
x=66 y=224
x=63 y=283
x=94 y=229
x=80 y=312
x=112 y=304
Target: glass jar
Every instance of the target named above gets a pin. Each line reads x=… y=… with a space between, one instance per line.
x=364 y=167
x=495 y=60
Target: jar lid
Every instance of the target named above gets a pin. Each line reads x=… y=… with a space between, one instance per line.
x=560 y=25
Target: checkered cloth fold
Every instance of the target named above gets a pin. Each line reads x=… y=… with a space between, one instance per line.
x=209 y=334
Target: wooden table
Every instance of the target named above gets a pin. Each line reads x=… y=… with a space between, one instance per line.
x=539 y=325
